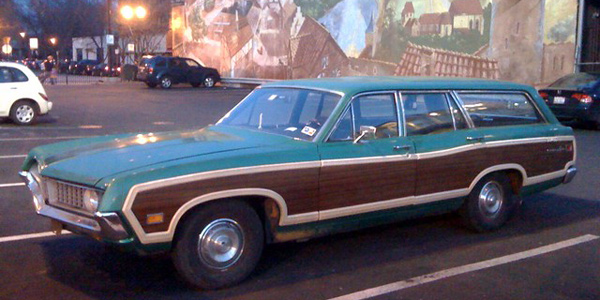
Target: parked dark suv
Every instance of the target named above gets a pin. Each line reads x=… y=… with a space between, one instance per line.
x=166 y=71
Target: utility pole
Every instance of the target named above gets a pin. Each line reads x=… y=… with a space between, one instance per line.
x=109 y=31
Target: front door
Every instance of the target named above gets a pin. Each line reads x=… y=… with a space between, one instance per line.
x=372 y=173
x=12 y=84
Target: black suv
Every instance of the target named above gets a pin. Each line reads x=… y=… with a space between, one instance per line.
x=167 y=71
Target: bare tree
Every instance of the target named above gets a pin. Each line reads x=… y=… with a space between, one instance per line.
x=62 y=19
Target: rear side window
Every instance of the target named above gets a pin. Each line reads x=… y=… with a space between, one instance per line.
x=18 y=76
x=427 y=113
x=500 y=109
x=8 y=74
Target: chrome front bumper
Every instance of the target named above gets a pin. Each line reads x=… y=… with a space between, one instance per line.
x=571 y=172
x=100 y=226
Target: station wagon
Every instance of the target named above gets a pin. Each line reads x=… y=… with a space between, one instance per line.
x=305 y=158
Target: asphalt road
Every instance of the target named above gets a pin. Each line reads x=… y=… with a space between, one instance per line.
x=550 y=250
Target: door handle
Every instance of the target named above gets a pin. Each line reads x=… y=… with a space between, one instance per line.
x=475 y=138
x=399 y=148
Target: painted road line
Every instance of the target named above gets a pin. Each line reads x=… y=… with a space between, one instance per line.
x=13 y=156
x=415 y=281
x=6 y=185
x=47 y=138
x=29 y=236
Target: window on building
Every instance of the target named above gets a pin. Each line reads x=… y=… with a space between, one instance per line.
x=500 y=109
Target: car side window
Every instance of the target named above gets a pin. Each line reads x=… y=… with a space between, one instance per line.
x=427 y=113
x=377 y=111
x=500 y=109
x=161 y=63
x=5 y=75
x=191 y=63
x=18 y=76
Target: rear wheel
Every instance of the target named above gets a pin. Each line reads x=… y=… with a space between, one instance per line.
x=151 y=85
x=218 y=245
x=490 y=203
x=166 y=82
x=23 y=112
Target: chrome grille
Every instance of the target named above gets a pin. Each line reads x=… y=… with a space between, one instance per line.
x=65 y=194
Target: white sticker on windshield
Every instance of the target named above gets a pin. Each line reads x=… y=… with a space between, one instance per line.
x=272 y=97
x=309 y=131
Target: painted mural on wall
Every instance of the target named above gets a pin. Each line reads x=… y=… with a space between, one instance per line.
x=529 y=41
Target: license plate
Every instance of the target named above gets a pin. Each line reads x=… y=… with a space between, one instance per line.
x=559 y=100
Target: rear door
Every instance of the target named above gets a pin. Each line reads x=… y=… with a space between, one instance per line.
x=178 y=69
x=375 y=173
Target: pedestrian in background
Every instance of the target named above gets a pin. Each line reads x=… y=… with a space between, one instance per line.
x=53 y=71
x=47 y=66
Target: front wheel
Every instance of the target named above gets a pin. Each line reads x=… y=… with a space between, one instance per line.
x=218 y=245
x=23 y=113
x=209 y=81
x=490 y=203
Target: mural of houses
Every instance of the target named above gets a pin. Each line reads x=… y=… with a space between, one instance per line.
x=516 y=39
x=435 y=24
x=412 y=27
x=558 y=61
x=408 y=13
x=467 y=15
x=371 y=67
x=315 y=53
x=425 y=61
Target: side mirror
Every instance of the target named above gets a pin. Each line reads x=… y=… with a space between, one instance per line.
x=366 y=132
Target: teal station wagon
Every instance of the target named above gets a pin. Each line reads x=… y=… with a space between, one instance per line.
x=304 y=158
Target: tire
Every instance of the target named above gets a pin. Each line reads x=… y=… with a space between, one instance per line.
x=490 y=204
x=151 y=85
x=24 y=112
x=166 y=82
x=209 y=265
x=209 y=81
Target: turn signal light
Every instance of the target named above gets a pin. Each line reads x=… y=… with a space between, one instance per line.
x=43 y=96
x=583 y=98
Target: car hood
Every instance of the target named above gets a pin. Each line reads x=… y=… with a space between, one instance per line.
x=89 y=161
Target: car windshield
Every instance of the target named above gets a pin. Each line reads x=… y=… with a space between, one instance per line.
x=577 y=81
x=297 y=113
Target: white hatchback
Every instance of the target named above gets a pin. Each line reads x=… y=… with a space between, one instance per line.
x=22 y=96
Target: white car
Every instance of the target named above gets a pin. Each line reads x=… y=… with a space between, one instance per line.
x=22 y=96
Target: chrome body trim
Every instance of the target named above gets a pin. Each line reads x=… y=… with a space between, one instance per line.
x=100 y=225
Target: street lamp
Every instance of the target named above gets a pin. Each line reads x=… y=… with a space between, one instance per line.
x=22 y=34
x=52 y=41
x=128 y=13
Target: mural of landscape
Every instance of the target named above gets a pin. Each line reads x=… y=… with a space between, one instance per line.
x=528 y=41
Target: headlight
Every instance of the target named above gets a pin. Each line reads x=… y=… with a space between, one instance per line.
x=90 y=200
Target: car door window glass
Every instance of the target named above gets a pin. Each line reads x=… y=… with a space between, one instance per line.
x=426 y=113
x=499 y=109
x=5 y=75
x=459 y=119
x=191 y=63
x=18 y=76
x=378 y=111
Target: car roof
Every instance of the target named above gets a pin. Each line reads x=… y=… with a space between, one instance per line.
x=14 y=65
x=358 y=84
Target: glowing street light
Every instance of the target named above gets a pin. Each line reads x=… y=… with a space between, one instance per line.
x=22 y=34
x=53 y=41
x=140 y=12
x=129 y=12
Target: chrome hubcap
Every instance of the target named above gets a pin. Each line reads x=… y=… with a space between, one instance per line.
x=209 y=82
x=221 y=243
x=166 y=82
x=24 y=113
x=491 y=198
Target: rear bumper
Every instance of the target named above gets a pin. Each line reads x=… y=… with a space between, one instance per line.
x=101 y=226
x=571 y=172
x=582 y=113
